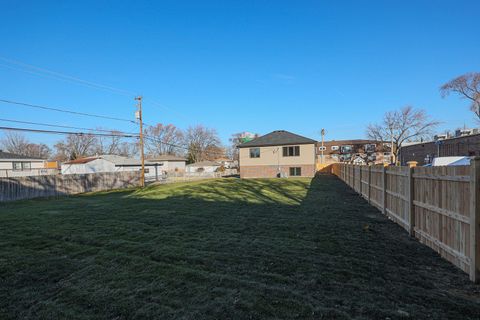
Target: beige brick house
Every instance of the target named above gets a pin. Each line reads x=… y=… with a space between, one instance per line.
x=277 y=154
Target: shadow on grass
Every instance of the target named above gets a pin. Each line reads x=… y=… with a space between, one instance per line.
x=227 y=248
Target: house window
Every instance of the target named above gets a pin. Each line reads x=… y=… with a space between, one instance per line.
x=254 y=152
x=322 y=148
x=346 y=149
x=293 y=151
x=334 y=148
x=369 y=148
x=19 y=166
x=295 y=171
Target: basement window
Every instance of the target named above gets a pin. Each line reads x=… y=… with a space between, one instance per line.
x=254 y=152
x=295 y=171
x=293 y=151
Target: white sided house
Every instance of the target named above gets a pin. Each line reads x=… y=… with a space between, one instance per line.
x=15 y=165
x=170 y=163
x=110 y=163
x=203 y=167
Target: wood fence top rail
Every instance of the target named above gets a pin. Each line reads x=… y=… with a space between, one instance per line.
x=443 y=178
x=397 y=173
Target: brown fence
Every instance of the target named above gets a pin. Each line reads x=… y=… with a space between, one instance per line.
x=440 y=206
x=59 y=185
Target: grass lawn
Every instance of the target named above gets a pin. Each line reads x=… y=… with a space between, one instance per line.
x=222 y=249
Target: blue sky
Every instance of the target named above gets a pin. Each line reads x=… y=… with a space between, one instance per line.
x=240 y=65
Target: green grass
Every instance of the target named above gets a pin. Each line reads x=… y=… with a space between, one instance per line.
x=221 y=249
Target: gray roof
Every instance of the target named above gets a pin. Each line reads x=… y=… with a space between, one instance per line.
x=167 y=157
x=12 y=156
x=206 y=163
x=120 y=160
x=277 y=138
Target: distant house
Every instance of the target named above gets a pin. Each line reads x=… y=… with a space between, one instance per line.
x=170 y=163
x=203 y=166
x=277 y=154
x=110 y=163
x=227 y=163
x=15 y=165
x=359 y=150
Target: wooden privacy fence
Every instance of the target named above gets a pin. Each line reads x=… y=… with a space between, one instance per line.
x=59 y=185
x=440 y=206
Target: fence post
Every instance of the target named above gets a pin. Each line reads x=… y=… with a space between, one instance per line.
x=411 y=207
x=369 y=182
x=475 y=219
x=384 y=185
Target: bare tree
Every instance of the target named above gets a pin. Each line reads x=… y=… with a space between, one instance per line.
x=467 y=86
x=17 y=143
x=14 y=142
x=75 y=146
x=214 y=152
x=235 y=140
x=400 y=126
x=199 y=140
x=128 y=148
x=38 y=150
x=163 y=139
x=114 y=144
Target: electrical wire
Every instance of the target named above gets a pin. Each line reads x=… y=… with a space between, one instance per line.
x=67 y=132
x=64 y=110
x=65 y=77
x=66 y=127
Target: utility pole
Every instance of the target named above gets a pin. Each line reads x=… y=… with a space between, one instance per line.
x=138 y=115
x=323 y=147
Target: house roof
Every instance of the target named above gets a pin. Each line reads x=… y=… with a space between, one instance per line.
x=120 y=160
x=277 y=138
x=206 y=163
x=167 y=157
x=81 y=160
x=117 y=160
x=12 y=156
x=451 y=161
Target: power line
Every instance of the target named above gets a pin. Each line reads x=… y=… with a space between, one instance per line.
x=65 y=77
x=61 y=76
x=66 y=127
x=64 y=111
x=68 y=132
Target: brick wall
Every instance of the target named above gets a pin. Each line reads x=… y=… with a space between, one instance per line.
x=461 y=146
x=272 y=171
